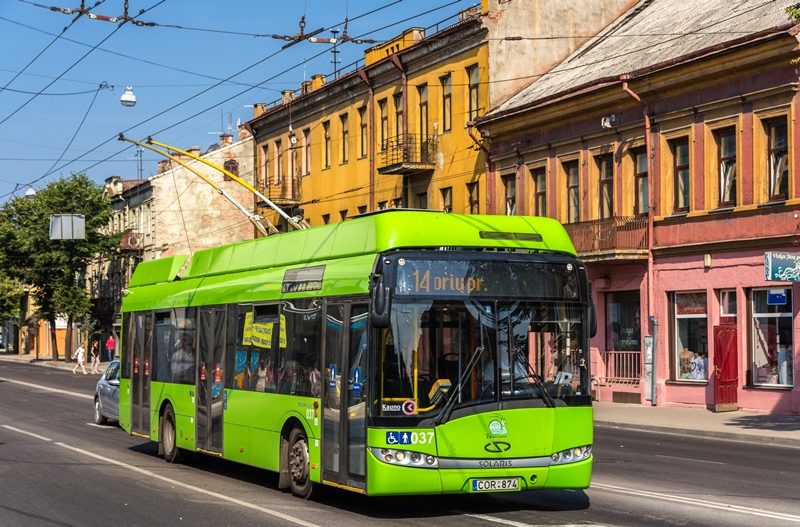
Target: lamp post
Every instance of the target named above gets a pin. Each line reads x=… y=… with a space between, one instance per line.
x=128 y=98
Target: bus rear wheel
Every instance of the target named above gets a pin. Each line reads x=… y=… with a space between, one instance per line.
x=167 y=437
x=297 y=462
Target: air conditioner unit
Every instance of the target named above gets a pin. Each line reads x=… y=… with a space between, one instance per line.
x=131 y=241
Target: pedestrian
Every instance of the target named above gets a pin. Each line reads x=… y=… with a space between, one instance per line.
x=110 y=347
x=80 y=357
x=95 y=353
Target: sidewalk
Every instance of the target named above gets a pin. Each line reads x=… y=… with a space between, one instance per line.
x=51 y=363
x=766 y=429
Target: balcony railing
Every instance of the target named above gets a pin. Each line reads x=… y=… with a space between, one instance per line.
x=622 y=233
x=622 y=367
x=408 y=154
x=283 y=192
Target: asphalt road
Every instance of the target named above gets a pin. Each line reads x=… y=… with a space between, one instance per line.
x=59 y=469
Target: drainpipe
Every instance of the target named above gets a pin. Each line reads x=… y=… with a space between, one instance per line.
x=653 y=321
x=475 y=139
x=371 y=134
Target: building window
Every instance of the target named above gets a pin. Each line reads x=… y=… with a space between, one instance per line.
x=447 y=199
x=680 y=173
x=772 y=337
x=383 y=205
x=727 y=306
x=278 y=162
x=362 y=126
x=362 y=209
x=605 y=167
x=342 y=215
x=326 y=149
x=641 y=197
x=690 y=329
x=398 y=203
x=265 y=156
x=447 y=102
x=398 y=114
x=726 y=154
x=384 y=124
x=540 y=191
x=474 y=82
x=510 y=187
x=326 y=219
x=623 y=322
x=423 y=112
x=232 y=166
x=306 y=151
x=778 y=145
x=422 y=200
x=473 y=195
x=345 y=137
x=573 y=191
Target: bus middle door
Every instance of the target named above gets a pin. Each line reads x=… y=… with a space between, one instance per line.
x=141 y=364
x=210 y=380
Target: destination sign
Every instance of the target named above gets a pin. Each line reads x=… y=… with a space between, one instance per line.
x=488 y=278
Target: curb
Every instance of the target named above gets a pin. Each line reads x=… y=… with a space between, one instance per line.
x=711 y=434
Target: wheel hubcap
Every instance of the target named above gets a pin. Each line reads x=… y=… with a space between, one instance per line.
x=298 y=462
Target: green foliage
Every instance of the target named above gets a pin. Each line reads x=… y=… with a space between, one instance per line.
x=53 y=267
x=10 y=296
x=794 y=12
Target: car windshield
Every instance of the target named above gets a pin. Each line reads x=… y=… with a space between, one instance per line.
x=439 y=353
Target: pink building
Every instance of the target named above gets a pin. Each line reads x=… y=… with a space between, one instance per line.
x=674 y=163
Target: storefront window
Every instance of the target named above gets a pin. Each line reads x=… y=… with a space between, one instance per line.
x=623 y=321
x=771 y=346
x=690 y=323
x=727 y=306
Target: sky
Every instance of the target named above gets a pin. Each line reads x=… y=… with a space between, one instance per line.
x=195 y=74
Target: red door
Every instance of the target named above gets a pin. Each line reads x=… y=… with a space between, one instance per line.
x=726 y=368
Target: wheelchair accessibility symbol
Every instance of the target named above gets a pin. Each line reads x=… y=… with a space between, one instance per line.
x=391 y=438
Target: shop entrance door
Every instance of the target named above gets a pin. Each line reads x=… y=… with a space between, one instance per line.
x=726 y=368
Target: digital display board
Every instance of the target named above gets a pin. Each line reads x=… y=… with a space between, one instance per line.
x=486 y=278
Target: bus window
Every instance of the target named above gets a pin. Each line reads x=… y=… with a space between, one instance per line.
x=182 y=359
x=302 y=335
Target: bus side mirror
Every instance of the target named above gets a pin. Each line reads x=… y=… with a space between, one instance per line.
x=592 y=319
x=381 y=304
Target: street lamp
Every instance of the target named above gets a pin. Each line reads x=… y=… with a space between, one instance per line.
x=128 y=98
x=30 y=193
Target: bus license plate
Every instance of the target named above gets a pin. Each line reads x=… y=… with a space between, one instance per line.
x=495 y=485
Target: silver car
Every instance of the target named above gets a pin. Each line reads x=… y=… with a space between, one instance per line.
x=106 y=395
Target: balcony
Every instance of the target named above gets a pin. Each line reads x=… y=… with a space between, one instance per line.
x=622 y=237
x=285 y=191
x=407 y=155
x=622 y=367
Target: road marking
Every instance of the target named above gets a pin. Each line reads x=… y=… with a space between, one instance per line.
x=691 y=459
x=37 y=436
x=175 y=482
x=495 y=519
x=100 y=426
x=47 y=388
x=695 y=503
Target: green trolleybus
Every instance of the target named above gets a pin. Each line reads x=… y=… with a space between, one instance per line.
x=400 y=352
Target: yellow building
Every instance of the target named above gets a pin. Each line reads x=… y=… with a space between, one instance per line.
x=398 y=131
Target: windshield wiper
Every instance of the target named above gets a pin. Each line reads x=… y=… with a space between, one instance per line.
x=451 y=401
x=537 y=379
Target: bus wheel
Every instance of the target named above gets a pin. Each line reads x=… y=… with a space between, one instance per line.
x=297 y=461
x=172 y=453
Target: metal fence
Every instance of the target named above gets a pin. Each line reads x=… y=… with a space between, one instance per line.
x=622 y=367
x=618 y=233
x=409 y=148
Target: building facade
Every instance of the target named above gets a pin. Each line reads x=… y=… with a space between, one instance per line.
x=399 y=130
x=668 y=144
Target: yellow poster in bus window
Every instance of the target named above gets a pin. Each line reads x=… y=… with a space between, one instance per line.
x=282 y=341
x=262 y=334
x=247 y=333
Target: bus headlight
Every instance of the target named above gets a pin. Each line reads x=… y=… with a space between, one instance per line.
x=571 y=455
x=405 y=458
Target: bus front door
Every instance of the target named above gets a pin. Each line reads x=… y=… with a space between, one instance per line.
x=210 y=379
x=344 y=395
x=142 y=360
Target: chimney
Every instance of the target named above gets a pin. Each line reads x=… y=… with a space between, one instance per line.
x=194 y=150
x=163 y=166
x=287 y=96
x=258 y=109
x=317 y=81
x=225 y=140
x=113 y=186
x=305 y=87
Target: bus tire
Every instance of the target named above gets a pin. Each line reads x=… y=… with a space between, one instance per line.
x=168 y=436
x=298 y=464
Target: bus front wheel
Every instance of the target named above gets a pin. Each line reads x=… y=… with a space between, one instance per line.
x=297 y=462
x=168 y=436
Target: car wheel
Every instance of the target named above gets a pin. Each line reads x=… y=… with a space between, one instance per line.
x=297 y=462
x=172 y=453
x=99 y=418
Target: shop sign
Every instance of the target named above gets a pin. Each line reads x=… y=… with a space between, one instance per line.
x=782 y=267
x=691 y=303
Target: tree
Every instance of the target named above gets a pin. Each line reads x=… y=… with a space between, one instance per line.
x=53 y=268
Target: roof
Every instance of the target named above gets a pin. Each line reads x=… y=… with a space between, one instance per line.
x=651 y=33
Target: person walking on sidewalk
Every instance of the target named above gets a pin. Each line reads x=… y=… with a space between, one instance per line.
x=80 y=357
x=95 y=352
x=110 y=347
